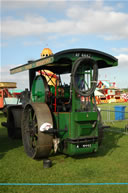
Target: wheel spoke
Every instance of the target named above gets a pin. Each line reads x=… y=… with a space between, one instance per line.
x=34 y=116
x=35 y=125
x=34 y=142
x=32 y=129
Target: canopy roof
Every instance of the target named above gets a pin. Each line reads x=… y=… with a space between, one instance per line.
x=61 y=62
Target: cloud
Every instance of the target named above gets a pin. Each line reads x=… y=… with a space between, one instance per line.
x=103 y=21
x=30 y=4
x=120 y=50
x=123 y=60
x=117 y=74
x=22 y=80
x=121 y=72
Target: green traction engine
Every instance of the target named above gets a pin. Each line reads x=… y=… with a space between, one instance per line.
x=62 y=115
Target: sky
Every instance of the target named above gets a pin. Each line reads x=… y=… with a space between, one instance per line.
x=29 y=26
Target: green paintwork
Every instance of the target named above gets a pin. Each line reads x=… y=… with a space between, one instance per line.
x=77 y=123
x=38 y=90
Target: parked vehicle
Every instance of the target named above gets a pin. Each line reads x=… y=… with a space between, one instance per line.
x=61 y=116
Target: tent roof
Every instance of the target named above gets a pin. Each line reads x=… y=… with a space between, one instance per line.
x=97 y=93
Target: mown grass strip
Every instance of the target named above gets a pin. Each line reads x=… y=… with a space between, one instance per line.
x=60 y=184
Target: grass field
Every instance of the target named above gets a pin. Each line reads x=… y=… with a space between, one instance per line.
x=108 y=111
x=108 y=165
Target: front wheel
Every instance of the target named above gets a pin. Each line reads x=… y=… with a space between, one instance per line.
x=36 y=144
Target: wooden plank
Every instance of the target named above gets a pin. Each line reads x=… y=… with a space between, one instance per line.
x=7 y=84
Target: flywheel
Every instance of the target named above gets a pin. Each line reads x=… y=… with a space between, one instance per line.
x=36 y=143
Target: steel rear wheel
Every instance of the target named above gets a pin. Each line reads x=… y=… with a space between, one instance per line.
x=14 y=121
x=36 y=144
